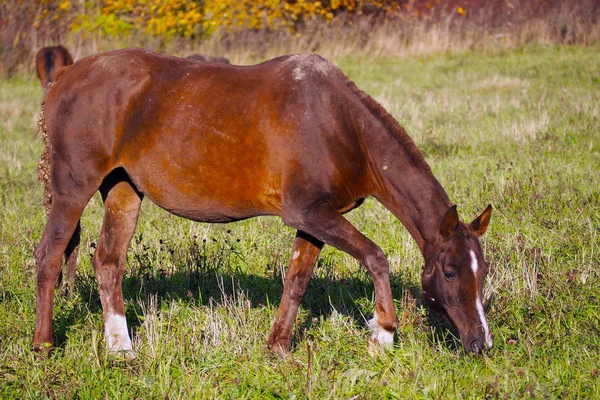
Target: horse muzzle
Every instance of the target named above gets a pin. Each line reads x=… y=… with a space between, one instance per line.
x=477 y=342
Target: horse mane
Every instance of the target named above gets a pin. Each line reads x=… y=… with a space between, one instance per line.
x=390 y=124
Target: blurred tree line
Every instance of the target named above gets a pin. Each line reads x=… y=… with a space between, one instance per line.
x=169 y=18
x=27 y=25
x=24 y=24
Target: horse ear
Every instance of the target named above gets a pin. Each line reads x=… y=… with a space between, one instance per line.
x=480 y=224
x=449 y=223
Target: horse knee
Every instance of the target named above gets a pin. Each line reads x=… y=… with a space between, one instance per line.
x=40 y=252
x=376 y=262
x=297 y=288
x=48 y=269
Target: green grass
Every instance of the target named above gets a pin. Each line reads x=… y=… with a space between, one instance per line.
x=519 y=129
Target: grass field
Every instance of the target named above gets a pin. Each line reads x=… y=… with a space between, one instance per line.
x=519 y=129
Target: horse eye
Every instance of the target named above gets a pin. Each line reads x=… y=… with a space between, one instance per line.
x=450 y=276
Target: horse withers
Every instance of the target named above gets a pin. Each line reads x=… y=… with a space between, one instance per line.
x=291 y=137
x=48 y=61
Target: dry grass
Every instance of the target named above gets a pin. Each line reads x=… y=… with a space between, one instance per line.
x=531 y=128
x=405 y=35
x=499 y=82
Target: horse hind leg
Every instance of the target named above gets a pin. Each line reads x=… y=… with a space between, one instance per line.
x=67 y=277
x=62 y=221
x=65 y=280
x=122 y=204
x=71 y=253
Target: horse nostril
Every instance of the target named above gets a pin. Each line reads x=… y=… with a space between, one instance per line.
x=490 y=344
x=475 y=348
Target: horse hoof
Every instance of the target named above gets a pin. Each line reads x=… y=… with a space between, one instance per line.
x=66 y=289
x=124 y=355
x=375 y=347
x=283 y=354
x=43 y=348
x=280 y=349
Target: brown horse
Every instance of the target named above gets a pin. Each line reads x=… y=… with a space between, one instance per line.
x=200 y=57
x=48 y=61
x=216 y=143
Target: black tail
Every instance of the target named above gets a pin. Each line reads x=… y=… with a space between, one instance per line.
x=49 y=65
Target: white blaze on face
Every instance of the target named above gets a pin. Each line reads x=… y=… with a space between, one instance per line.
x=479 y=306
x=384 y=337
x=115 y=330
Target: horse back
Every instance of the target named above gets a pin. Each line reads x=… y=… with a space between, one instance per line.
x=197 y=137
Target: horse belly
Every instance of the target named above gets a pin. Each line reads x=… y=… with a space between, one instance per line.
x=206 y=200
x=204 y=182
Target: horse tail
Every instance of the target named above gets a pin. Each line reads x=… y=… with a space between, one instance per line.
x=49 y=65
x=44 y=173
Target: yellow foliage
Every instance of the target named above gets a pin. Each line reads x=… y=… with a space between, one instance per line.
x=64 y=5
x=155 y=17
x=272 y=14
x=169 y=18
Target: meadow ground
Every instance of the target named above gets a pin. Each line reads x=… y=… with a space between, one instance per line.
x=519 y=129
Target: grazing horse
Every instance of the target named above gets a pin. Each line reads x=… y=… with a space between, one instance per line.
x=292 y=137
x=48 y=61
x=200 y=57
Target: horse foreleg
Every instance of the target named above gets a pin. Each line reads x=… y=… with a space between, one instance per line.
x=122 y=205
x=305 y=251
x=327 y=225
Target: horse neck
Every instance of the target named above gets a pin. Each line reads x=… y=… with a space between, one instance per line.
x=406 y=186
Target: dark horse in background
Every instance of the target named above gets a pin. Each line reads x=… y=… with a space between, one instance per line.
x=216 y=143
x=48 y=61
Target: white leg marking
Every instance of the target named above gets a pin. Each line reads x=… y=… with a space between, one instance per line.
x=383 y=336
x=296 y=254
x=479 y=306
x=117 y=337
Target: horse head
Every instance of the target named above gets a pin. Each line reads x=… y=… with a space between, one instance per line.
x=454 y=275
